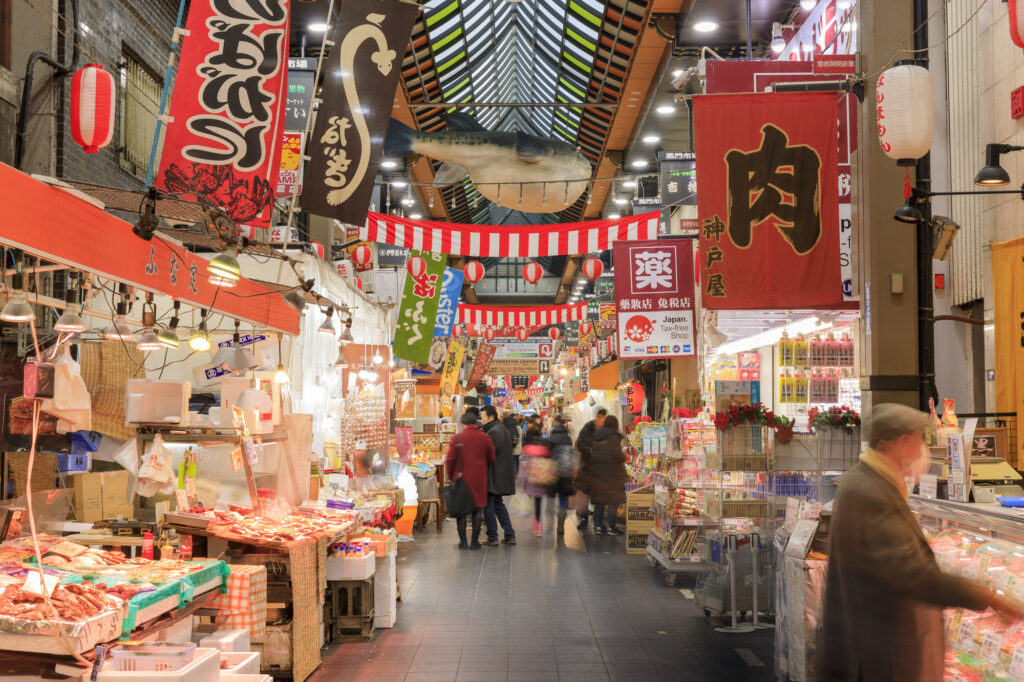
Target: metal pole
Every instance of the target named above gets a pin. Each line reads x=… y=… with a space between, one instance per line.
x=750 y=47
x=168 y=78
x=755 y=550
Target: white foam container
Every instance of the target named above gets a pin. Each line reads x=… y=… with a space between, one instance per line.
x=225 y=640
x=240 y=663
x=351 y=568
x=245 y=678
x=205 y=667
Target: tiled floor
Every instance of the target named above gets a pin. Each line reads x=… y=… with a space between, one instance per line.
x=548 y=609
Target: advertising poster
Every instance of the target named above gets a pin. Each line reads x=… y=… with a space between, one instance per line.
x=289 y=176
x=448 y=306
x=654 y=293
x=484 y=355
x=450 y=376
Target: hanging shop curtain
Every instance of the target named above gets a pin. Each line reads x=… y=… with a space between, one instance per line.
x=1008 y=305
x=504 y=241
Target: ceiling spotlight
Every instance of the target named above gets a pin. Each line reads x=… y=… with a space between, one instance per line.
x=678 y=72
x=629 y=184
x=705 y=26
x=808 y=5
x=148 y=221
x=70 y=320
x=318 y=27
x=651 y=139
x=388 y=164
x=224 y=270
x=778 y=42
x=993 y=174
x=621 y=201
x=346 y=333
x=119 y=331
x=328 y=324
x=233 y=357
x=908 y=212
x=415 y=216
x=638 y=163
x=169 y=336
x=17 y=308
x=399 y=184
x=281 y=376
x=408 y=201
x=341 y=363
x=149 y=340
x=665 y=109
x=378 y=359
x=296 y=298
x=199 y=341
x=614 y=216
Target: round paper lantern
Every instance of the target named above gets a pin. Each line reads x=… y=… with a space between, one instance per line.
x=904 y=109
x=92 y=108
x=592 y=268
x=489 y=334
x=474 y=271
x=362 y=255
x=522 y=334
x=456 y=331
x=585 y=328
x=532 y=272
x=318 y=249
x=472 y=329
x=554 y=333
x=1016 y=8
x=416 y=266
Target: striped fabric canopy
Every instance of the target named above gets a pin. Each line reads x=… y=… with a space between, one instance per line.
x=505 y=241
x=519 y=316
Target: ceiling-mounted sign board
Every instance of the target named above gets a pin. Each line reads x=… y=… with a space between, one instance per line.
x=37 y=221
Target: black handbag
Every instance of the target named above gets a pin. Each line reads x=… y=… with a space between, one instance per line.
x=458 y=498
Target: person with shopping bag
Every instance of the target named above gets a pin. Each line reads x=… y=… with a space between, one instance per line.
x=608 y=476
x=539 y=471
x=469 y=455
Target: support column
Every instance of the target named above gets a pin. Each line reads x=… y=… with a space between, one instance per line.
x=886 y=249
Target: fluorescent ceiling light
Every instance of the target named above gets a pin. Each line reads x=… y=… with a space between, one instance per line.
x=807 y=325
x=621 y=201
x=408 y=201
x=705 y=26
x=638 y=163
x=629 y=183
x=651 y=139
x=415 y=216
x=665 y=109
x=808 y=5
x=400 y=184
x=317 y=28
x=614 y=216
x=388 y=163
x=677 y=73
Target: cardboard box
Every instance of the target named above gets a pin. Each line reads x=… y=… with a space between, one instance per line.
x=88 y=497
x=636 y=536
x=118 y=500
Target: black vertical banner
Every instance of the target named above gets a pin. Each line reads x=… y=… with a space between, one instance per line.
x=370 y=40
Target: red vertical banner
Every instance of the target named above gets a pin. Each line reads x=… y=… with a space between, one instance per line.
x=224 y=138
x=768 y=205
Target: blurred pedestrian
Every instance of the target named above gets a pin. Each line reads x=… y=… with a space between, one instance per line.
x=608 y=476
x=513 y=432
x=885 y=593
x=585 y=446
x=565 y=459
x=538 y=471
x=501 y=479
x=468 y=456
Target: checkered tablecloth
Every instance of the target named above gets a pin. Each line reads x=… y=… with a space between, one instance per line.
x=245 y=604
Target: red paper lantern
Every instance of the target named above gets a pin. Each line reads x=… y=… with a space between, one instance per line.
x=585 y=329
x=474 y=271
x=417 y=266
x=532 y=272
x=92 y=108
x=1016 y=8
x=318 y=249
x=522 y=334
x=592 y=268
x=362 y=255
x=554 y=333
x=456 y=331
x=472 y=329
x=489 y=334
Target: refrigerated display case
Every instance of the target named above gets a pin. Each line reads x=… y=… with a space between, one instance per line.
x=986 y=544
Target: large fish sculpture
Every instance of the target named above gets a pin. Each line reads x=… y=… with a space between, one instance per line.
x=512 y=169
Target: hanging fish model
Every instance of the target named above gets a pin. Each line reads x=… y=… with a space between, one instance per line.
x=512 y=169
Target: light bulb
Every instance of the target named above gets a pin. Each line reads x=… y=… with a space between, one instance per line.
x=119 y=331
x=200 y=340
x=378 y=359
x=281 y=376
x=224 y=270
x=149 y=341
x=70 y=320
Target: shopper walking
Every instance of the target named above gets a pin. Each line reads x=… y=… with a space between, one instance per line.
x=468 y=456
x=607 y=476
x=885 y=593
x=513 y=432
x=585 y=445
x=539 y=470
x=565 y=459
x=501 y=478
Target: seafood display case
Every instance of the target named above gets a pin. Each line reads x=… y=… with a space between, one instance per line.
x=983 y=543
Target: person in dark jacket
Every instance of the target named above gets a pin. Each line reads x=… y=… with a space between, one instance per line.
x=469 y=455
x=608 y=476
x=585 y=444
x=562 y=451
x=501 y=479
x=513 y=433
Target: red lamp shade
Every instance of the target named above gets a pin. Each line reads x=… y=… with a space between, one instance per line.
x=592 y=268
x=417 y=266
x=92 y=108
x=1016 y=8
x=456 y=331
x=489 y=334
x=362 y=255
x=522 y=334
x=585 y=329
x=554 y=333
x=474 y=271
x=532 y=272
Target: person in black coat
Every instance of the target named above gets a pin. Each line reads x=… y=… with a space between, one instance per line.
x=501 y=479
x=513 y=433
x=608 y=476
x=562 y=451
x=585 y=444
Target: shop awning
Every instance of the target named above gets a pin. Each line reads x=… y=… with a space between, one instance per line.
x=605 y=377
x=57 y=226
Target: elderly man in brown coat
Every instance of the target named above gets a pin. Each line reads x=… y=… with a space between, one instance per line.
x=885 y=593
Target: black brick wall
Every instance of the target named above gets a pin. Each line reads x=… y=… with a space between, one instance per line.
x=144 y=28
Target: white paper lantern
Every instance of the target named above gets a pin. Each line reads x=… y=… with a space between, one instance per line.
x=1016 y=8
x=904 y=110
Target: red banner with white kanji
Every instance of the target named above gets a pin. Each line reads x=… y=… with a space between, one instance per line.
x=224 y=138
x=768 y=203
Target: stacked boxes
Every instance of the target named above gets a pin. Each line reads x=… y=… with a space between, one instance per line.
x=385 y=590
x=639 y=518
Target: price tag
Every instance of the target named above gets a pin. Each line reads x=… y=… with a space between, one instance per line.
x=33 y=585
x=1001 y=580
x=990 y=647
x=1017 y=665
x=68 y=550
x=929 y=486
x=965 y=638
x=945 y=561
x=182 y=498
x=190 y=487
x=956 y=476
x=968 y=569
x=236 y=459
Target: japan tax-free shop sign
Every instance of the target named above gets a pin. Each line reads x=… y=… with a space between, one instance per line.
x=655 y=301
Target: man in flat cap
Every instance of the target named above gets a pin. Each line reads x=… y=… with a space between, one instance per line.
x=885 y=593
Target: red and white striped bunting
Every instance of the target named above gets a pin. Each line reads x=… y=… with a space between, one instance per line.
x=513 y=316
x=505 y=241
x=534 y=392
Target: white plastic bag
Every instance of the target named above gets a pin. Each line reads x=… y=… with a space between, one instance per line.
x=155 y=473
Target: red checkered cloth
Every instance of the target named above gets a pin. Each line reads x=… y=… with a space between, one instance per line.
x=245 y=604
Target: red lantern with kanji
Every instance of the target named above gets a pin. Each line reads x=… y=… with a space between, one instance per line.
x=532 y=272
x=585 y=328
x=474 y=271
x=592 y=268
x=489 y=334
x=554 y=333
x=417 y=266
x=456 y=331
x=522 y=334
x=362 y=255
x=92 y=108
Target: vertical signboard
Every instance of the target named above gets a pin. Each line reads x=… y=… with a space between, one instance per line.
x=415 y=332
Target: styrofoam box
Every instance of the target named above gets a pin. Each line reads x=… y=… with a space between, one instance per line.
x=157 y=402
x=225 y=640
x=231 y=677
x=205 y=667
x=387 y=621
x=351 y=567
x=240 y=663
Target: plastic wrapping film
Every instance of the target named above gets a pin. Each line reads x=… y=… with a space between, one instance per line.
x=50 y=507
x=800 y=596
x=43 y=636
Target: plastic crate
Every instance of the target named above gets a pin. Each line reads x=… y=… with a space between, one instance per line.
x=152 y=656
x=71 y=462
x=205 y=667
x=353 y=628
x=350 y=597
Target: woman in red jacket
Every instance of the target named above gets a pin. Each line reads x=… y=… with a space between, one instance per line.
x=468 y=456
